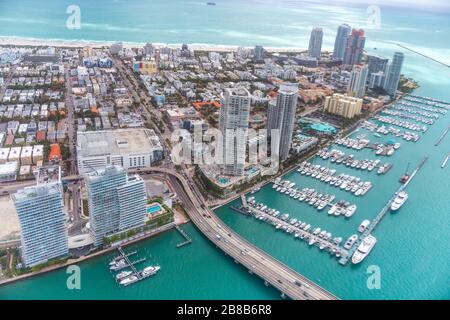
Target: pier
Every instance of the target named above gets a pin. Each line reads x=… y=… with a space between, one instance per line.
x=188 y=240
x=130 y=263
x=429 y=99
x=329 y=203
x=374 y=223
x=445 y=161
x=441 y=137
x=423 y=55
x=129 y=254
x=318 y=241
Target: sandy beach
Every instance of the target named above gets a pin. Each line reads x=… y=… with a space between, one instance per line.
x=9 y=227
x=13 y=41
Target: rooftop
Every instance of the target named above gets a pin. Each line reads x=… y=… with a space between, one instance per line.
x=238 y=91
x=48 y=174
x=122 y=141
x=8 y=167
x=41 y=190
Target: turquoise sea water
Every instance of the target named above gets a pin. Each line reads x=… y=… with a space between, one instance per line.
x=413 y=245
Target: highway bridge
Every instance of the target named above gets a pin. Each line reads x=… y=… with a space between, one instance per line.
x=273 y=272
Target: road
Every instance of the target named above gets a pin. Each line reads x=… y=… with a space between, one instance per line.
x=272 y=271
x=70 y=123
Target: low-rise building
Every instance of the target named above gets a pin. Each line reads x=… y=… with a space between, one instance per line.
x=14 y=154
x=38 y=153
x=8 y=171
x=26 y=155
x=4 y=153
x=129 y=148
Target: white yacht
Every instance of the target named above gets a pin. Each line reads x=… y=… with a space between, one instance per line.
x=123 y=274
x=350 y=241
x=350 y=210
x=363 y=226
x=399 y=200
x=364 y=249
x=119 y=265
x=150 y=271
x=332 y=210
x=129 y=280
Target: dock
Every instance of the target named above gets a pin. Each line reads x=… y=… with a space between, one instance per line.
x=374 y=223
x=445 y=161
x=130 y=263
x=187 y=241
x=441 y=137
x=239 y=209
x=320 y=242
x=328 y=203
x=129 y=254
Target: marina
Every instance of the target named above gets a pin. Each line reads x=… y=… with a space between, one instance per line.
x=343 y=181
x=380 y=130
x=401 y=123
x=299 y=229
x=131 y=276
x=374 y=223
x=427 y=101
x=315 y=199
x=412 y=245
x=339 y=157
x=358 y=246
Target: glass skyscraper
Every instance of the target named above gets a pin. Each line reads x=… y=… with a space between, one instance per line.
x=340 y=43
x=42 y=221
x=117 y=202
x=315 y=43
x=233 y=124
x=354 y=47
x=393 y=71
x=281 y=116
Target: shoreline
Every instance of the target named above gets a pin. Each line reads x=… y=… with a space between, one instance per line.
x=85 y=258
x=79 y=43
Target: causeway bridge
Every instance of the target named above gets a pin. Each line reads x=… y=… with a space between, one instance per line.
x=275 y=273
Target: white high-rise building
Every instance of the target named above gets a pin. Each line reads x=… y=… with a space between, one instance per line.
x=233 y=124
x=281 y=116
x=358 y=79
x=42 y=222
x=117 y=202
x=393 y=71
x=315 y=43
x=376 y=80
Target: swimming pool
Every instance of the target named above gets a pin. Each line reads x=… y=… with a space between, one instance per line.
x=223 y=180
x=153 y=208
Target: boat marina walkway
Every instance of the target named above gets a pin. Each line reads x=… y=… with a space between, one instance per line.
x=374 y=223
x=187 y=241
x=318 y=241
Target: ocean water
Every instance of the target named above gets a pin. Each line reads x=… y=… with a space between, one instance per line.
x=413 y=245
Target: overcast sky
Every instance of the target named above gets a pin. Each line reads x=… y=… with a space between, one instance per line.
x=433 y=5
